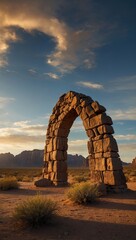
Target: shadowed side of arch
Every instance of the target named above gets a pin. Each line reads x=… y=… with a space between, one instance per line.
x=104 y=162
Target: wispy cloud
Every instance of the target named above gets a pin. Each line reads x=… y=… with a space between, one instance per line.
x=127 y=151
x=22 y=135
x=90 y=85
x=78 y=147
x=123 y=83
x=6 y=36
x=126 y=114
x=74 y=47
x=52 y=75
x=5 y=100
x=126 y=137
x=32 y=71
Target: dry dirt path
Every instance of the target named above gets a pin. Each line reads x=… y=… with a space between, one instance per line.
x=113 y=217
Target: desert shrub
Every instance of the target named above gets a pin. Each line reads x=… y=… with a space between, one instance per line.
x=8 y=183
x=80 y=179
x=83 y=193
x=27 y=179
x=35 y=211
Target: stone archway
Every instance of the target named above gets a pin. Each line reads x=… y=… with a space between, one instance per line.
x=104 y=162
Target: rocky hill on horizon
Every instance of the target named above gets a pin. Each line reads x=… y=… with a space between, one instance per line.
x=34 y=158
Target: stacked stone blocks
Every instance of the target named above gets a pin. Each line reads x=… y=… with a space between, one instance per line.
x=104 y=162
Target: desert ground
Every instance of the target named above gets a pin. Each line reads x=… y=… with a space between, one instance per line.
x=112 y=217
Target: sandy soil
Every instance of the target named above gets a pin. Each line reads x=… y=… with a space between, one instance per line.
x=113 y=217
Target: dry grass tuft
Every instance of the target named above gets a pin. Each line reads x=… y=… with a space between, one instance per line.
x=35 y=211
x=82 y=193
x=8 y=183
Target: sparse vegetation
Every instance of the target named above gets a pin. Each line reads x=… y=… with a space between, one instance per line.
x=8 y=183
x=80 y=179
x=21 y=174
x=35 y=211
x=83 y=193
x=130 y=173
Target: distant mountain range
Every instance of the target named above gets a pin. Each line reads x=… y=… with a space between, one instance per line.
x=34 y=158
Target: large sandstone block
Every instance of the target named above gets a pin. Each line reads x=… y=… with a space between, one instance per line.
x=96 y=176
x=52 y=176
x=47 y=156
x=45 y=169
x=66 y=108
x=60 y=177
x=52 y=117
x=60 y=166
x=99 y=155
x=90 y=133
x=100 y=120
x=83 y=114
x=110 y=154
x=90 y=147
x=58 y=155
x=105 y=129
x=98 y=137
x=91 y=163
x=110 y=144
x=43 y=182
x=75 y=102
x=61 y=132
x=49 y=147
x=78 y=110
x=61 y=116
x=85 y=102
x=50 y=166
x=98 y=146
x=113 y=164
x=86 y=123
x=90 y=112
x=100 y=164
x=97 y=107
x=114 y=177
x=60 y=143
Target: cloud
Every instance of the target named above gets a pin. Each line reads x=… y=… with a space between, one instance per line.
x=74 y=47
x=126 y=114
x=22 y=135
x=127 y=152
x=52 y=75
x=90 y=85
x=78 y=147
x=123 y=83
x=5 y=100
x=21 y=139
x=32 y=71
x=126 y=137
x=6 y=36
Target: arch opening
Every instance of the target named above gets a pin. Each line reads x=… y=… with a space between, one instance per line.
x=104 y=162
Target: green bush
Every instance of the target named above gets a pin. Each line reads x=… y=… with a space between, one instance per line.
x=35 y=211
x=83 y=193
x=8 y=183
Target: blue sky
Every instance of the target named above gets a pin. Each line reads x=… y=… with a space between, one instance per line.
x=49 y=47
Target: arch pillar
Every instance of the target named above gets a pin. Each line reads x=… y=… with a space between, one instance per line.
x=104 y=161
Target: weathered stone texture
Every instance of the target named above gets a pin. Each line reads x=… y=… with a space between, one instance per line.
x=100 y=164
x=90 y=147
x=104 y=162
x=114 y=178
x=110 y=144
x=113 y=164
x=97 y=107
